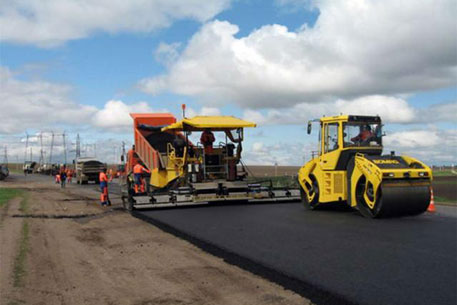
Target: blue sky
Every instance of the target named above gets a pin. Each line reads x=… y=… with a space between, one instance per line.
x=278 y=63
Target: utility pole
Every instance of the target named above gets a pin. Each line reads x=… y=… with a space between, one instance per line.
x=31 y=154
x=115 y=154
x=5 y=157
x=41 y=149
x=123 y=152
x=52 y=147
x=26 y=146
x=64 y=149
x=78 y=147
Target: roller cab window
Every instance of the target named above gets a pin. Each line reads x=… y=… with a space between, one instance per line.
x=331 y=137
x=363 y=134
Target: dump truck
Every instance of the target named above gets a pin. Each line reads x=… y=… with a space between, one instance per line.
x=88 y=169
x=349 y=168
x=186 y=173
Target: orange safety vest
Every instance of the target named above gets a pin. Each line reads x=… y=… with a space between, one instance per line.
x=102 y=177
x=139 y=169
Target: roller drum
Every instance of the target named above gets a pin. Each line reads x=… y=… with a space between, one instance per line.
x=395 y=199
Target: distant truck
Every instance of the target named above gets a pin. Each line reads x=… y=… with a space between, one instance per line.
x=88 y=169
x=48 y=169
x=29 y=167
x=4 y=172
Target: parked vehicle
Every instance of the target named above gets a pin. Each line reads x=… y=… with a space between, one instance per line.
x=4 y=172
x=88 y=169
x=29 y=167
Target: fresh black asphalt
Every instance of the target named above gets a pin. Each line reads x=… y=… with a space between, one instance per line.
x=331 y=257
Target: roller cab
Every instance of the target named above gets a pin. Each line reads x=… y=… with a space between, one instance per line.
x=349 y=168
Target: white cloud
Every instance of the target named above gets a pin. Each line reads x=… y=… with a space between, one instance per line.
x=432 y=146
x=167 y=53
x=37 y=104
x=210 y=111
x=413 y=139
x=356 y=48
x=443 y=112
x=49 y=23
x=391 y=110
x=190 y=112
x=43 y=105
x=115 y=115
x=282 y=153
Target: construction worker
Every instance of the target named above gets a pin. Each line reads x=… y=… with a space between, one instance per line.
x=63 y=176
x=69 y=175
x=364 y=135
x=138 y=171
x=103 y=178
x=179 y=144
x=207 y=139
x=132 y=156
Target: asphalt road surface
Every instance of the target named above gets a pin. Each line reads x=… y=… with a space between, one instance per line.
x=330 y=257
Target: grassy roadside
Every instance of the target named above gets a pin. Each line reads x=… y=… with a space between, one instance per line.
x=443 y=173
x=444 y=201
x=8 y=194
x=19 y=269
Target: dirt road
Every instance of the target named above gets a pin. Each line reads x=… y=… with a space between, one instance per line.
x=75 y=252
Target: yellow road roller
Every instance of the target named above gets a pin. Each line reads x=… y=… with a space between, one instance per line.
x=349 y=168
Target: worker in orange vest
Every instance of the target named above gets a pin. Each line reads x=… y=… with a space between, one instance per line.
x=103 y=178
x=110 y=174
x=207 y=139
x=69 y=175
x=138 y=171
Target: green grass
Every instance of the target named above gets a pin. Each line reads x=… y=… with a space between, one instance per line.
x=19 y=270
x=8 y=194
x=444 y=182
x=444 y=200
x=437 y=173
x=24 y=205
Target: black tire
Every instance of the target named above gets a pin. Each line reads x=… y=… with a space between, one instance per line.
x=304 y=199
x=130 y=202
x=362 y=206
x=129 y=205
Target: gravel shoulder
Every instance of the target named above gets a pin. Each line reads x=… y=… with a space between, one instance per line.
x=80 y=253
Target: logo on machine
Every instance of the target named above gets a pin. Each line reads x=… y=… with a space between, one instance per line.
x=386 y=162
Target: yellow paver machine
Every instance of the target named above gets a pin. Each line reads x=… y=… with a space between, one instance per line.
x=349 y=168
x=186 y=173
